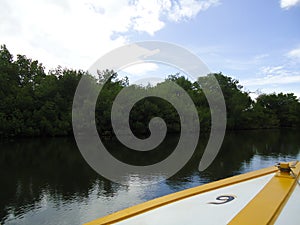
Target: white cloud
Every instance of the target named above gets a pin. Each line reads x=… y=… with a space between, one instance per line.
x=68 y=33
x=284 y=78
x=272 y=69
x=273 y=76
x=277 y=89
x=141 y=68
x=294 y=54
x=259 y=57
x=76 y=33
x=286 y=4
x=147 y=16
x=276 y=79
x=239 y=64
x=186 y=9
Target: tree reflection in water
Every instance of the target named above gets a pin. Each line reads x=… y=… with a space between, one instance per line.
x=44 y=181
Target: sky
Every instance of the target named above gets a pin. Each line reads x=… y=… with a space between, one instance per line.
x=256 y=42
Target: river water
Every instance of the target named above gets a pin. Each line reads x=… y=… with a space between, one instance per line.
x=46 y=181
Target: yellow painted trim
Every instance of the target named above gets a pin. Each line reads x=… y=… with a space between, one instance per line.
x=155 y=203
x=266 y=206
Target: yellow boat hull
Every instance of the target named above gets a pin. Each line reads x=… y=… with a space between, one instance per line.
x=266 y=196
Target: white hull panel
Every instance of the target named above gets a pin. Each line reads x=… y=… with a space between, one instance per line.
x=291 y=210
x=197 y=210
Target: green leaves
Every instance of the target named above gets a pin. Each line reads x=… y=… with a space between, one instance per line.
x=33 y=103
x=283 y=107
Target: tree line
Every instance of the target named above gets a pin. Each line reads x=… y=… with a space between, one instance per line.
x=34 y=102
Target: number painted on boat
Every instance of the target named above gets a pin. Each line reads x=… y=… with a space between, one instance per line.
x=222 y=199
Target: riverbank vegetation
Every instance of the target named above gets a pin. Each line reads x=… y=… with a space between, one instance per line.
x=34 y=102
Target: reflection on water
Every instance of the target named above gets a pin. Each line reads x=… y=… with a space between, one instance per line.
x=46 y=181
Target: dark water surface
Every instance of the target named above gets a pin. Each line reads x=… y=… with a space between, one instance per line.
x=46 y=181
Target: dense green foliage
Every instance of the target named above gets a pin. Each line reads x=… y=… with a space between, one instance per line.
x=36 y=103
x=31 y=102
